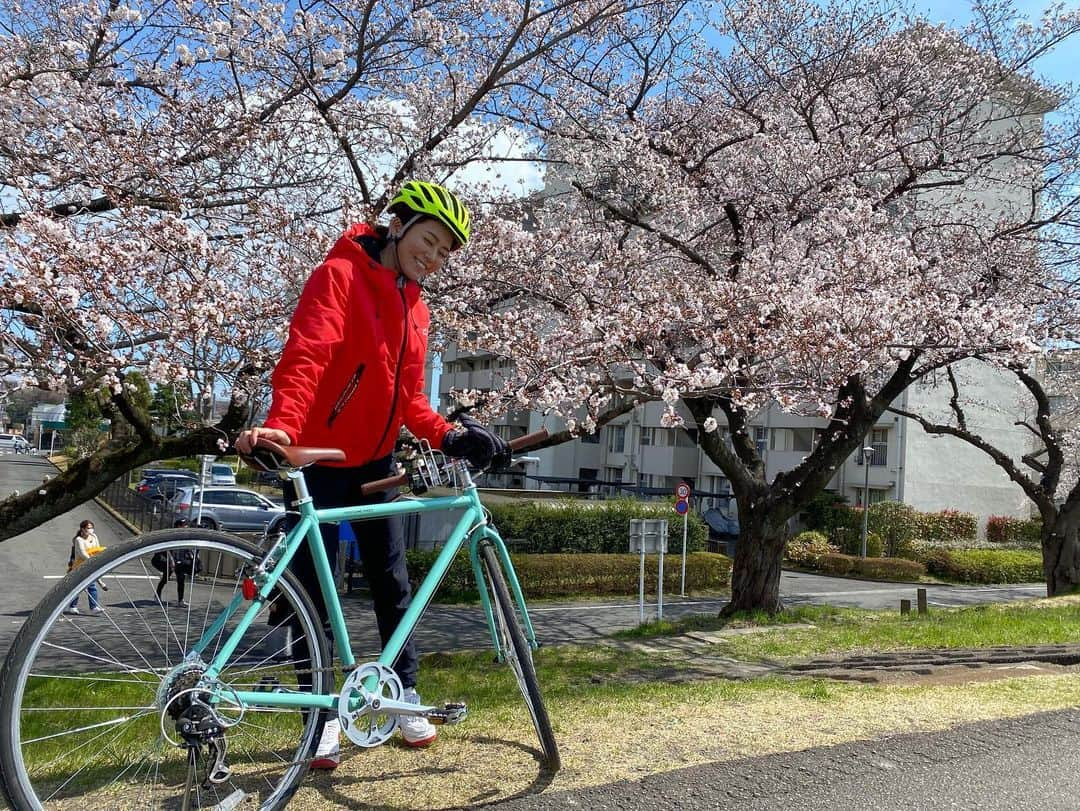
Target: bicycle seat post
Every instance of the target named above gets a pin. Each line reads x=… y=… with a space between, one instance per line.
x=299 y=483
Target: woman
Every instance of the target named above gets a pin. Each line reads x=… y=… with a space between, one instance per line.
x=351 y=374
x=84 y=546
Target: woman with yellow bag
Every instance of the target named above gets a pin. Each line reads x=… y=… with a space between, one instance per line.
x=84 y=546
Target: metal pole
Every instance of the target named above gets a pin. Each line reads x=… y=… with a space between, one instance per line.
x=660 y=587
x=641 y=583
x=866 y=498
x=685 y=521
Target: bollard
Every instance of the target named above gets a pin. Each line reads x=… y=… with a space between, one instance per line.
x=905 y=607
x=922 y=600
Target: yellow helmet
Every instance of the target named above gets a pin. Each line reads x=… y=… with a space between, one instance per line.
x=435 y=201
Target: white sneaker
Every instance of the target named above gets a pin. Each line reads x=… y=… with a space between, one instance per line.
x=328 y=752
x=416 y=731
x=97 y=609
x=73 y=610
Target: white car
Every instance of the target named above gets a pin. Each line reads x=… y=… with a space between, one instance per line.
x=221 y=475
x=14 y=443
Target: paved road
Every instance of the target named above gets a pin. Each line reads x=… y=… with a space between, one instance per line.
x=1018 y=764
x=32 y=563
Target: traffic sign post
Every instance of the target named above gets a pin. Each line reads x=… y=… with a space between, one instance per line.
x=649 y=535
x=682 y=507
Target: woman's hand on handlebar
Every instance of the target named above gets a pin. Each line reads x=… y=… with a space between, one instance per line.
x=246 y=441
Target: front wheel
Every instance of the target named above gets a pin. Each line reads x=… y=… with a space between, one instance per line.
x=518 y=654
x=94 y=705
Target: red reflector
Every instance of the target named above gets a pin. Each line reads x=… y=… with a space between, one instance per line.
x=248 y=588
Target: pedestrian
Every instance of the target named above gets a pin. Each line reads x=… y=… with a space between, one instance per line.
x=351 y=374
x=84 y=546
x=179 y=564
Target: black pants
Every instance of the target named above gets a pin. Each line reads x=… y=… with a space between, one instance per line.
x=179 y=583
x=381 y=544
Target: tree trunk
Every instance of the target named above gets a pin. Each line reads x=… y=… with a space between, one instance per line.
x=1061 y=554
x=755 y=571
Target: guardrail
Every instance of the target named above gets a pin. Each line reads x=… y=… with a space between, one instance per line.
x=144 y=513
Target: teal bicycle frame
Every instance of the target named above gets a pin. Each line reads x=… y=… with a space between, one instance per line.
x=472 y=525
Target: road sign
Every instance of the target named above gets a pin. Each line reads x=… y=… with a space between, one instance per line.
x=682 y=491
x=682 y=506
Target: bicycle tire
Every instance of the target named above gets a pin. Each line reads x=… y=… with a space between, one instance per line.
x=83 y=699
x=518 y=654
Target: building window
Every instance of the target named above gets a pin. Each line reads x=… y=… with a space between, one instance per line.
x=802 y=439
x=590 y=439
x=877 y=496
x=648 y=436
x=589 y=474
x=879 y=441
x=685 y=438
x=761 y=438
x=616 y=438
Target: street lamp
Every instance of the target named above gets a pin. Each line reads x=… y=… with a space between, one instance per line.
x=868 y=454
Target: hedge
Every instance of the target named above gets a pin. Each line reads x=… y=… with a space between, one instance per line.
x=1006 y=529
x=894 y=523
x=876 y=568
x=567 y=525
x=580 y=574
x=986 y=565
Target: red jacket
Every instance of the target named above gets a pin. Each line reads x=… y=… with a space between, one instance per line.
x=353 y=368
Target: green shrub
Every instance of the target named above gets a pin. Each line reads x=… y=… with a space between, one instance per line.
x=889 y=568
x=572 y=575
x=807 y=548
x=1006 y=529
x=837 y=564
x=567 y=525
x=825 y=512
x=849 y=541
x=948 y=526
x=985 y=565
x=895 y=522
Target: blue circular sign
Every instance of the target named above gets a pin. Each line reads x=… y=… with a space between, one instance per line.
x=682 y=506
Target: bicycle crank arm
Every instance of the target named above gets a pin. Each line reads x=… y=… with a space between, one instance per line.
x=452 y=713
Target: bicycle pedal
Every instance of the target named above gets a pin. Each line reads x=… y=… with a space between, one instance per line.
x=451 y=713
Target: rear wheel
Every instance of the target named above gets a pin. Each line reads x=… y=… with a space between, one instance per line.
x=93 y=707
x=518 y=654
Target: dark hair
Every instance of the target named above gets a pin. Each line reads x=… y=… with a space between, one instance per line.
x=86 y=523
x=180 y=522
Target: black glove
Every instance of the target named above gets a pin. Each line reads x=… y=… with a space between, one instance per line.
x=481 y=447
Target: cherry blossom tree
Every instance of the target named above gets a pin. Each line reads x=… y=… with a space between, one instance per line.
x=820 y=206
x=1048 y=474
x=172 y=172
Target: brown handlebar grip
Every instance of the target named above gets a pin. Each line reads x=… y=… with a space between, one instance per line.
x=384 y=484
x=527 y=441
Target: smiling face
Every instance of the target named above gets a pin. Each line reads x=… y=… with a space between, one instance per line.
x=423 y=249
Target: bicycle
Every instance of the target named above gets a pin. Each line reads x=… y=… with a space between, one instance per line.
x=216 y=704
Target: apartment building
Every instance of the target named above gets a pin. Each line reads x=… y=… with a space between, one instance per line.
x=635 y=454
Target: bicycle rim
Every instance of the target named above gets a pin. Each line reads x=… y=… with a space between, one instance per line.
x=518 y=654
x=85 y=699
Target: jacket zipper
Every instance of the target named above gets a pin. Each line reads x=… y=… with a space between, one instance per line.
x=400 y=359
x=346 y=395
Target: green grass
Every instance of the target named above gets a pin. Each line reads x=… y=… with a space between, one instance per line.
x=577 y=678
x=852 y=630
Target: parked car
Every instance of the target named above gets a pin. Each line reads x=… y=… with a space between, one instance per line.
x=222 y=475
x=163 y=486
x=230 y=508
x=14 y=443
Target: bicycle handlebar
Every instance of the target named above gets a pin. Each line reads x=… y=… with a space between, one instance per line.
x=391 y=482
